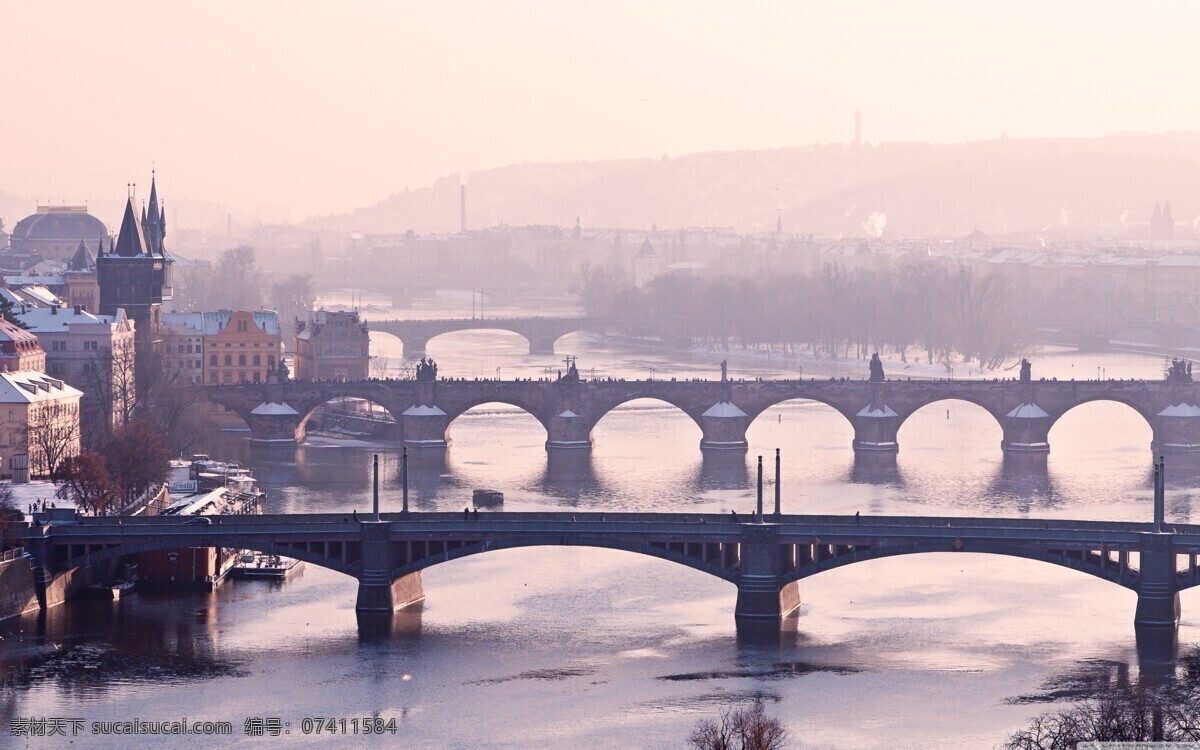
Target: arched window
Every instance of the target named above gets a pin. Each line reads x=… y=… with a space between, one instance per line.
x=212 y=361
x=271 y=361
x=257 y=360
x=242 y=360
x=228 y=360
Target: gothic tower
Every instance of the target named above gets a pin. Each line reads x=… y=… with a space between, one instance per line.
x=135 y=273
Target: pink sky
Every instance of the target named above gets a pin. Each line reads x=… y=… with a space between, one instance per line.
x=322 y=107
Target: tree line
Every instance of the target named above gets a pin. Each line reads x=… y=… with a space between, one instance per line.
x=934 y=311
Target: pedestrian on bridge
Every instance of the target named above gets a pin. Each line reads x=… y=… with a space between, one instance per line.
x=734 y=513
x=466 y=514
x=475 y=514
x=857 y=517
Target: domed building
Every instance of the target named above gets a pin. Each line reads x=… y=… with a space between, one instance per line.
x=54 y=233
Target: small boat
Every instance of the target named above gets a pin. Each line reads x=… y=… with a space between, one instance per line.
x=112 y=590
x=267 y=566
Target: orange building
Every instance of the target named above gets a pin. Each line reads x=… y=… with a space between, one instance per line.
x=239 y=347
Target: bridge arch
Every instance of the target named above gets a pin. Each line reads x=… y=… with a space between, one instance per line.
x=629 y=398
x=1103 y=432
x=696 y=562
x=264 y=546
x=840 y=409
x=944 y=422
x=1084 y=561
x=310 y=410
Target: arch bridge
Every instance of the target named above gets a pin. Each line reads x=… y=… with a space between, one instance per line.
x=540 y=332
x=724 y=409
x=765 y=560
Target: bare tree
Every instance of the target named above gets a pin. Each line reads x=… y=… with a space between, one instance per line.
x=84 y=480
x=52 y=434
x=746 y=728
x=380 y=366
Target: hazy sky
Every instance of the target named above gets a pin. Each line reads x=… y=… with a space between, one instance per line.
x=325 y=106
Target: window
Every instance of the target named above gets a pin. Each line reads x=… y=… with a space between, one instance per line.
x=242 y=377
x=271 y=361
x=212 y=361
x=212 y=377
x=241 y=326
x=181 y=348
x=257 y=360
x=241 y=360
x=228 y=376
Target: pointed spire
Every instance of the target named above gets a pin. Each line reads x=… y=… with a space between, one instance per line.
x=131 y=241
x=153 y=197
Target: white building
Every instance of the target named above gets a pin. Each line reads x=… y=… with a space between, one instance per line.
x=39 y=422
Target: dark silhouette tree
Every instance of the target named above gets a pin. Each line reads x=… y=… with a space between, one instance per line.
x=746 y=728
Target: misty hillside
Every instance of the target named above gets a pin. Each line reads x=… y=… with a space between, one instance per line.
x=1004 y=186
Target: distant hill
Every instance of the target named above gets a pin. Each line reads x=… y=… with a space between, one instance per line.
x=1005 y=186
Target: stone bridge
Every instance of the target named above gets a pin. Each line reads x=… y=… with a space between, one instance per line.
x=723 y=410
x=764 y=560
x=541 y=333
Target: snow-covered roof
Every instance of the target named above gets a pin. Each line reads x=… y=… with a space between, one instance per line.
x=1028 y=411
x=31 y=387
x=424 y=411
x=272 y=410
x=1181 y=410
x=878 y=411
x=209 y=323
x=60 y=319
x=723 y=409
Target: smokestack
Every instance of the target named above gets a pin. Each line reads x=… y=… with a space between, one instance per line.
x=858 y=128
x=462 y=209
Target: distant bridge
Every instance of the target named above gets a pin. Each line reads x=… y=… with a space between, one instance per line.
x=723 y=410
x=763 y=560
x=540 y=332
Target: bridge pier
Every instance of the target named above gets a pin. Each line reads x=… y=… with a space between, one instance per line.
x=275 y=423
x=876 y=429
x=1158 y=596
x=1177 y=430
x=378 y=593
x=568 y=431
x=414 y=346
x=724 y=428
x=541 y=344
x=763 y=598
x=1026 y=430
x=424 y=426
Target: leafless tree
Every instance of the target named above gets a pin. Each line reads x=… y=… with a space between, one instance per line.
x=745 y=728
x=1120 y=715
x=52 y=434
x=380 y=366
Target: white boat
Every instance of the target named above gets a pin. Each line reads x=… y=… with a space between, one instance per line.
x=266 y=566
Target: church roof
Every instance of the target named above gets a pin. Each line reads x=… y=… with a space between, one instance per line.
x=60 y=223
x=82 y=260
x=130 y=242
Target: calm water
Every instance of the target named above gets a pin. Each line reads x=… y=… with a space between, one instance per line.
x=580 y=648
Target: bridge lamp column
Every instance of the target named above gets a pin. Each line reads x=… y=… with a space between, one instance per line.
x=778 y=510
x=759 y=514
x=375 y=486
x=404 y=480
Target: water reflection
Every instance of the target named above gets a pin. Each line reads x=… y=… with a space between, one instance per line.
x=878 y=468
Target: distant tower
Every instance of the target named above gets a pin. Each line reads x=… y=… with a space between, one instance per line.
x=858 y=128
x=1162 y=224
x=135 y=273
x=578 y=228
x=779 y=223
x=462 y=209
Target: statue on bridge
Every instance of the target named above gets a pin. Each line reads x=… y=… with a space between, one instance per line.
x=1026 y=371
x=426 y=370
x=724 y=370
x=572 y=375
x=1179 y=371
x=876 y=369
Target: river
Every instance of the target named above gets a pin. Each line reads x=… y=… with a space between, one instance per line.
x=573 y=647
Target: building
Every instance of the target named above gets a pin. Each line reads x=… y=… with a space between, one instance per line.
x=39 y=422
x=53 y=233
x=81 y=286
x=233 y=347
x=135 y=273
x=332 y=346
x=94 y=353
x=19 y=349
